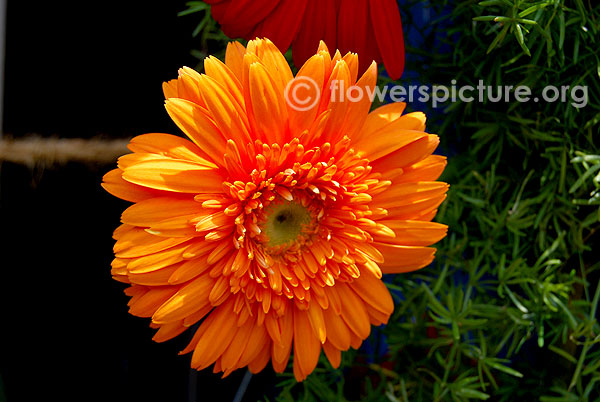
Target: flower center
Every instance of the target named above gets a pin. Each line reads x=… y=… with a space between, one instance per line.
x=285 y=223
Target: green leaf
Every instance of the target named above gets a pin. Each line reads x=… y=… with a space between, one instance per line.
x=505 y=369
x=498 y=40
x=562 y=353
x=520 y=39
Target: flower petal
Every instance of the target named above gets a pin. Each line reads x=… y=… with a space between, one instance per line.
x=254 y=11
x=218 y=332
x=283 y=23
x=334 y=355
x=354 y=312
x=374 y=292
x=338 y=333
x=307 y=347
x=188 y=299
x=150 y=212
x=358 y=110
x=409 y=193
x=413 y=233
x=315 y=317
x=429 y=169
x=400 y=259
x=307 y=86
x=228 y=115
x=234 y=58
x=320 y=25
x=113 y=183
x=170 y=146
x=174 y=175
x=385 y=17
x=137 y=243
x=268 y=106
x=386 y=141
x=194 y=121
x=381 y=117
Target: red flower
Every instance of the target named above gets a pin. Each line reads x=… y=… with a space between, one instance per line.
x=370 y=28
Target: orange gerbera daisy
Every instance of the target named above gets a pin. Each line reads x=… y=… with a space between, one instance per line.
x=371 y=28
x=274 y=225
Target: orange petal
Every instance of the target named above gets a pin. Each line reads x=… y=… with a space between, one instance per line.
x=256 y=342
x=234 y=58
x=113 y=183
x=334 y=355
x=315 y=317
x=146 y=304
x=374 y=292
x=216 y=69
x=232 y=355
x=169 y=331
x=218 y=334
x=168 y=145
x=381 y=117
x=194 y=121
x=386 y=141
x=408 y=155
x=338 y=333
x=275 y=63
x=281 y=350
x=351 y=60
x=228 y=115
x=405 y=194
x=304 y=93
x=335 y=98
x=261 y=360
x=184 y=87
x=413 y=233
x=358 y=108
x=307 y=347
x=423 y=210
x=188 y=270
x=137 y=242
x=400 y=259
x=159 y=277
x=174 y=175
x=149 y=212
x=158 y=260
x=354 y=312
x=268 y=105
x=429 y=169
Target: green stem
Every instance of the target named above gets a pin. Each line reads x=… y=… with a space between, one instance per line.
x=588 y=342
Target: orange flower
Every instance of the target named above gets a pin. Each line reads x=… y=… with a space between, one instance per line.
x=274 y=225
x=370 y=28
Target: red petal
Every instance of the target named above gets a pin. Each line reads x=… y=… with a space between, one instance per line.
x=352 y=27
x=283 y=23
x=242 y=16
x=387 y=25
x=319 y=24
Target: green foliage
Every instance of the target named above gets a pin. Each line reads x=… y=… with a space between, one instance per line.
x=211 y=40
x=523 y=216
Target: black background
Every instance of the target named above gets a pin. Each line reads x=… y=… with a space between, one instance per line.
x=85 y=69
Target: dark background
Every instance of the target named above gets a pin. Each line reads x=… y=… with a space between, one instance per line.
x=85 y=69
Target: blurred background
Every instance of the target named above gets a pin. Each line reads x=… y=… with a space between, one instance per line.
x=75 y=71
